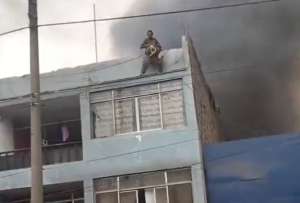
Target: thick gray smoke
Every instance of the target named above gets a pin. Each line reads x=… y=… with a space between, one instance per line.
x=250 y=56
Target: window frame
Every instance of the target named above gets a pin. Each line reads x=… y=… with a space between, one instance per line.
x=165 y=185
x=136 y=98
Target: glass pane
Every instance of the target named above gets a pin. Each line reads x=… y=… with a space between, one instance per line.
x=161 y=195
x=180 y=193
x=111 y=197
x=125 y=116
x=149 y=112
x=171 y=85
x=140 y=180
x=149 y=195
x=103 y=119
x=136 y=91
x=128 y=197
x=172 y=107
x=105 y=184
x=101 y=96
x=179 y=175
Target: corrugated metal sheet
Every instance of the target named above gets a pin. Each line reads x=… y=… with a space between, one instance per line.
x=259 y=170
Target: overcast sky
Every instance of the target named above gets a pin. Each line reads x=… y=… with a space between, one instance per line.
x=60 y=46
x=72 y=45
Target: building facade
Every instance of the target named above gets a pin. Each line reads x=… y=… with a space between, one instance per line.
x=112 y=135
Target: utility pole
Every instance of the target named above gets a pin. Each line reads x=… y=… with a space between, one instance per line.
x=36 y=138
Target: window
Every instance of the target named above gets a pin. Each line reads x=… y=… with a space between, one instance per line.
x=174 y=186
x=139 y=108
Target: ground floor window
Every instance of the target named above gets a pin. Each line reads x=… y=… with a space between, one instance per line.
x=172 y=186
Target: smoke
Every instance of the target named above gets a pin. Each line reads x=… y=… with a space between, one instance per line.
x=257 y=45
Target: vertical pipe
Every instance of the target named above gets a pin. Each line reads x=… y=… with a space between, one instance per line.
x=95 y=32
x=160 y=106
x=36 y=140
x=167 y=186
x=118 y=188
x=114 y=112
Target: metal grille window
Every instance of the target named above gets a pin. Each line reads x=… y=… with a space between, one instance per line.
x=139 y=108
x=173 y=186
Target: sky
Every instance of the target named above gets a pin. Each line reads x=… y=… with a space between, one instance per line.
x=60 y=46
x=73 y=45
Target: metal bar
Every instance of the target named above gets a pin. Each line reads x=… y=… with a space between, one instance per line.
x=118 y=188
x=46 y=146
x=154 y=194
x=167 y=187
x=95 y=32
x=137 y=114
x=50 y=124
x=146 y=187
x=137 y=196
x=114 y=112
x=160 y=106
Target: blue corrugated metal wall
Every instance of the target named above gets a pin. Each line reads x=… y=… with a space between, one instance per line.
x=259 y=170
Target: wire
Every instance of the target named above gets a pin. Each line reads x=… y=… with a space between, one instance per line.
x=148 y=15
x=161 y=13
x=15 y=30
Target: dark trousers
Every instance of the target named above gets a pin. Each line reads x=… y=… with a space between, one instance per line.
x=151 y=61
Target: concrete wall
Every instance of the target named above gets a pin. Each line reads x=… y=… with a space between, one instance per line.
x=144 y=151
x=87 y=75
x=6 y=135
x=133 y=152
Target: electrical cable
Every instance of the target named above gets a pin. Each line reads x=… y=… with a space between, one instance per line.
x=251 y=3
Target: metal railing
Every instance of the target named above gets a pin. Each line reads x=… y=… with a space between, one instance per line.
x=52 y=154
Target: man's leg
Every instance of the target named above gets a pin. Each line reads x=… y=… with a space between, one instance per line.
x=145 y=65
x=159 y=64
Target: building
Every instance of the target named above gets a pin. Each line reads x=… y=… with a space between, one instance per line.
x=110 y=134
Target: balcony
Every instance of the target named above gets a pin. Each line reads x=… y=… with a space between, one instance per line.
x=70 y=192
x=61 y=133
x=52 y=154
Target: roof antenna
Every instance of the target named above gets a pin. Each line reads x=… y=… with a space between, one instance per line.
x=95 y=32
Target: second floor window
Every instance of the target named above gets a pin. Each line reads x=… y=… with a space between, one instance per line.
x=138 y=108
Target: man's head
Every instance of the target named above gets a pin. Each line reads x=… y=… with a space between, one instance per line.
x=150 y=34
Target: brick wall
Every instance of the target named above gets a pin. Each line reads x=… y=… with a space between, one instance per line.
x=207 y=115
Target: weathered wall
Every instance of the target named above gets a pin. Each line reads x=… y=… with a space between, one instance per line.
x=132 y=152
x=6 y=135
x=86 y=75
x=206 y=109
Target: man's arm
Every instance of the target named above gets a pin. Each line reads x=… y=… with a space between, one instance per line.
x=157 y=44
x=143 y=45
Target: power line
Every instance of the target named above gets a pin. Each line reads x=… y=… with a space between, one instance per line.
x=15 y=30
x=147 y=15
x=161 y=13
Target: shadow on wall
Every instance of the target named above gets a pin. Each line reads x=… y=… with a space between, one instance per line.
x=250 y=56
